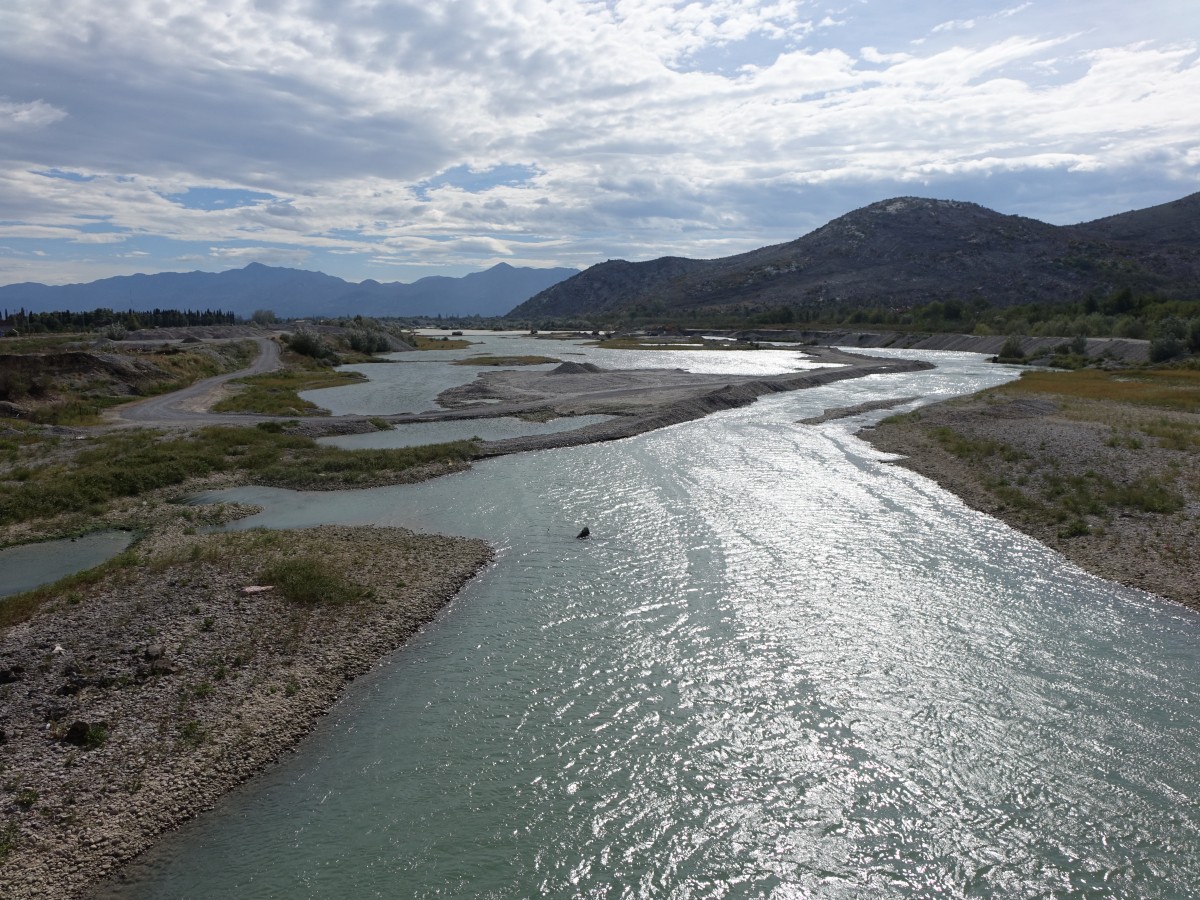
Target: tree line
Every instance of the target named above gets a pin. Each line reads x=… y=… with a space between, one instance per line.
x=98 y=319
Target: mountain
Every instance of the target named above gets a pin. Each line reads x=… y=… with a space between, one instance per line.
x=903 y=252
x=291 y=293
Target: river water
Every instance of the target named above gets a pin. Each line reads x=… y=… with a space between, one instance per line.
x=779 y=668
x=26 y=566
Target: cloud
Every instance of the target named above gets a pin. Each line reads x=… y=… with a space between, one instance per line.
x=955 y=25
x=450 y=133
x=35 y=114
x=99 y=237
x=280 y=256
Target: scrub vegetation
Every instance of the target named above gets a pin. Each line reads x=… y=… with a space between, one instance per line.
x=134 y=463
x=310 y=580
x=278 y=393
x=72 y=383
x=425 y=342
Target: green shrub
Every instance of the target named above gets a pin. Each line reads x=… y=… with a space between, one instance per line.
x=308 y=580
x=26 y=797
x=1165 y=347
x=10 y=837
x=364 y=341
x=97 y=734
x=191 y=733
x=1011 y=349
x=309 y=343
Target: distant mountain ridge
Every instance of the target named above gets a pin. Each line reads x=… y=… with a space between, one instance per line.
x=292 y=292
x=900 y=253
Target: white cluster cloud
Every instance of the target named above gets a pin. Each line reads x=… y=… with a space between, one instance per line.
x=27 y=115
x=636 y=127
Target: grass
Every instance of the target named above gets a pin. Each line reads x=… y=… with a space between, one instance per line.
x=1173 y=435
x=424 y=342
x=1164 y=388
x=10 y=838
x=278 y=393
x=486 y=360
x=331 y=466
x=1044 y=493
x=133 y=463
x=311 y=581
x=1068 y=500
x=74 y=412
x=974 y=448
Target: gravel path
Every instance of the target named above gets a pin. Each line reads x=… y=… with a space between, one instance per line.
x=188 y=406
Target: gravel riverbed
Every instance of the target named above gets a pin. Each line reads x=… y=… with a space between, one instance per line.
x=131 y=705
x=1070 y=473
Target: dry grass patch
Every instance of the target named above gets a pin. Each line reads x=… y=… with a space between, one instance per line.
x=1174 y=389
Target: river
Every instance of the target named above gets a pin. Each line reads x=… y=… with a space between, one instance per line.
x=780 y=667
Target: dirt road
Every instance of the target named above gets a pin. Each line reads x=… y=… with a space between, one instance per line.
x=189 y=405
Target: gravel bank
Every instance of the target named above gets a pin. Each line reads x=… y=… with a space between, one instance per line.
x=1056 y=469
x=646 y=400
x=641 y=400
x=132 y=705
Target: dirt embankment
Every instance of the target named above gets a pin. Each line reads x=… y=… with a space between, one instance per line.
x=34 y=383
x=1114 y=487
x=131 y=705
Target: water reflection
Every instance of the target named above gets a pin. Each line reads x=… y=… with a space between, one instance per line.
x=777 y=668
x=412 y=381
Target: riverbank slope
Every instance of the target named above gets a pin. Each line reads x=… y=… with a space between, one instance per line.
x=1103 y=467
x=132 y=704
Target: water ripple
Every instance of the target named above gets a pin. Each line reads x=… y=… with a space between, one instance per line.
x=778 y=668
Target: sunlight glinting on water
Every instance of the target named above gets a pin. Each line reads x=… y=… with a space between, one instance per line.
x=778 y=668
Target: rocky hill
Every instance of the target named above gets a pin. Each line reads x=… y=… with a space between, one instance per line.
x=291 y=293
x=903 y=252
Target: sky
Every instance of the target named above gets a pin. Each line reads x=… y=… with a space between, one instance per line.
x=391 y=140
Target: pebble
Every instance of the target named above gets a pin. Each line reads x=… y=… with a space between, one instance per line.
x=147 y=777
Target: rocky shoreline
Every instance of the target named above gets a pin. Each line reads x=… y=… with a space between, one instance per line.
x=1082 y=477
x=134 y=704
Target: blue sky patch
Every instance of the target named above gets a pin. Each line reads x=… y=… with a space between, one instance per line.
x=210 y=198
x=474 y=182
x=64 y=175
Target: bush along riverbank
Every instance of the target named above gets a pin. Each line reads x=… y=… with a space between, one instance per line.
x=132 y=701
x=1102 y=466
